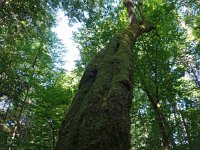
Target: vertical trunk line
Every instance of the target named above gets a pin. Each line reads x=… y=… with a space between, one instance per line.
x=18 y=119
x=161 y=121
x=183 y=123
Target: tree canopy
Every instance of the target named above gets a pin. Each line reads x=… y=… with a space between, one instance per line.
x=36 y=92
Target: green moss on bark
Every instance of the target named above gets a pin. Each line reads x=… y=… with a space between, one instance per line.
x=99 y=116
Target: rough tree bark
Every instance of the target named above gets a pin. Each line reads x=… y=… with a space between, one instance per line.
x=99 y=116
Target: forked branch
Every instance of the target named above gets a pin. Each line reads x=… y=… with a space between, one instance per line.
x=143 y=23
x=130 y=8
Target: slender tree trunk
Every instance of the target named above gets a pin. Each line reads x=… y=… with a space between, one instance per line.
x=17 y=125
x=162 y=122
x=159 y=115
x=51 y=124
x=186 y=135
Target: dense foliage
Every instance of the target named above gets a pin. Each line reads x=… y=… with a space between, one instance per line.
x=35 y=92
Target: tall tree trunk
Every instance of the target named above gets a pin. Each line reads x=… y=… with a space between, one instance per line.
x=186 y=136
x=99 y=116
x=162 y=122
x=155 y=102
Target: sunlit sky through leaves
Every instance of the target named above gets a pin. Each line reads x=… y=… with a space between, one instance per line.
x=64 y=32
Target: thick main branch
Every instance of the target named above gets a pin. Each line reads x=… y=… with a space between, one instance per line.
x=131 y=13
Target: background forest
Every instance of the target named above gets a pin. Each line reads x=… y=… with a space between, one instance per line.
x=36 y=92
